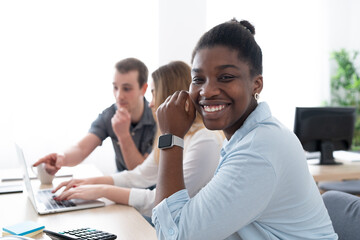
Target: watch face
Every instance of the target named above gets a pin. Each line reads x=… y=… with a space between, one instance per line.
x=165 y=141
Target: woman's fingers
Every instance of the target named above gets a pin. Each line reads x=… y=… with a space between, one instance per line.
x=87 y=192
x=175 y=115
x=65 y=195
x=60 y=186
x=69 y=184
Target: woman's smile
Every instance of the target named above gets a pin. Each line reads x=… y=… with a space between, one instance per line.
x=213 y=111
x=213 y=108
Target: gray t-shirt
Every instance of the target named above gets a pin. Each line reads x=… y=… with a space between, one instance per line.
x=143 y=132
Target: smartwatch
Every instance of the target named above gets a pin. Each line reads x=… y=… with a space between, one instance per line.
x=169 y=140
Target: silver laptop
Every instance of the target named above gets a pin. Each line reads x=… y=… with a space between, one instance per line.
x=42 y=199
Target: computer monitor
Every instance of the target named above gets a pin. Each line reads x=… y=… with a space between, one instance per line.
x=325 y=129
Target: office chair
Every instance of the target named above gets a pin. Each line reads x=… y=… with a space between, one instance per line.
x=348 y=186
x=344 y=212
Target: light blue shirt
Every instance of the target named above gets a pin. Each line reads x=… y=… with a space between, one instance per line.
x=262 y=189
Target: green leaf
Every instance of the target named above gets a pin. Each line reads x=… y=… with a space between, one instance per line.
x=345 y=85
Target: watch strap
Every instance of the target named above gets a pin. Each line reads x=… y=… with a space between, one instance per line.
x=178 y=141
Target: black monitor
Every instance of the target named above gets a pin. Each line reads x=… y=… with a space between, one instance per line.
x=325 y=129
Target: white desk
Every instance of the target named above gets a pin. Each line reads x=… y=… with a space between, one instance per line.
x=124 y=221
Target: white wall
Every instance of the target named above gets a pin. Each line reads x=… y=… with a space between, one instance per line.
x=343 y=24
x=343 y=27
x=181 y=23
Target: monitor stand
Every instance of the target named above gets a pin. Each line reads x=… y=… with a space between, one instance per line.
x=326 y=156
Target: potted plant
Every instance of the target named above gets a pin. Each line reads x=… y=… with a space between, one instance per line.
x=345 y=86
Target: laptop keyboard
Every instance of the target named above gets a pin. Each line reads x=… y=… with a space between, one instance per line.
x=47 y=197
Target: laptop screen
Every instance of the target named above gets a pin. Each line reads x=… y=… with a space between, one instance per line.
x=26 y=177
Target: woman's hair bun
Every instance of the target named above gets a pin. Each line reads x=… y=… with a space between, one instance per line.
x=248 y=26
x=245 y=24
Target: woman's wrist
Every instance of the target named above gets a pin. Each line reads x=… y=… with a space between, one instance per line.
x=116 y=194
x=102 y=180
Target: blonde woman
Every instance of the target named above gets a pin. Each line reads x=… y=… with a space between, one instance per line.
x=201 y=155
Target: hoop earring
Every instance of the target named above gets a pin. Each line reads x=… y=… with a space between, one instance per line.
x=256 y=96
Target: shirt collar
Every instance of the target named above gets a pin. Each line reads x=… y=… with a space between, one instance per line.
x=147 y=117
x=261 y=112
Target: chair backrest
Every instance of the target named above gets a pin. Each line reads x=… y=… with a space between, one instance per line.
x=344 y=211
x=348 y=186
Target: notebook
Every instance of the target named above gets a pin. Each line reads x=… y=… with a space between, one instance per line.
x=26 y=228
x=42 y=199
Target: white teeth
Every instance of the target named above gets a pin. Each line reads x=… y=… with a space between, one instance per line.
x=214 y=108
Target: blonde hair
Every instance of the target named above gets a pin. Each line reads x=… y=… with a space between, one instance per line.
x=168 y=79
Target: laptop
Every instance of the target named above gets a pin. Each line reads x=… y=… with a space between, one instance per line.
x=42 y=199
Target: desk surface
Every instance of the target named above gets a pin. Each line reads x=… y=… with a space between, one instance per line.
x=124 y=221
x=347 y=170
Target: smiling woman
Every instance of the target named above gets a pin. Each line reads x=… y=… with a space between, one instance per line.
x=256 y=192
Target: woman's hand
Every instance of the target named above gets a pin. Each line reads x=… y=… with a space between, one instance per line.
x=73 y=183
x=86 y=192
x=176 y=114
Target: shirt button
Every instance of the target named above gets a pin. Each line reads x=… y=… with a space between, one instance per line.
x=171 y=231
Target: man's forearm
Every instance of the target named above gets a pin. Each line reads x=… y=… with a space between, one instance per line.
x=77 y=153
x=170 y=175
x=73 y=156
